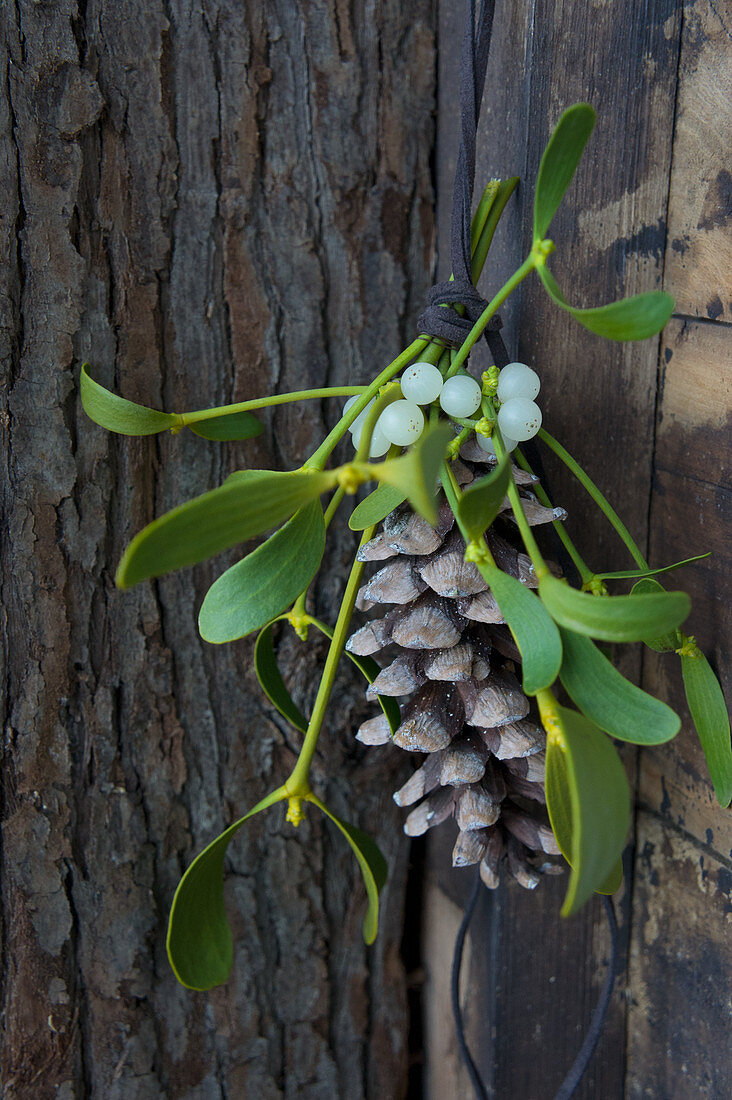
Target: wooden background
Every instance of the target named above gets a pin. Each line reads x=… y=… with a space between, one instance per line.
x=651 y=424
x=210 y=200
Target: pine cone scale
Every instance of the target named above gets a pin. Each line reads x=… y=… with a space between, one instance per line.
x=455 y=671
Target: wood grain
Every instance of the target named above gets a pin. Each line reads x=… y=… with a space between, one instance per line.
x=208 y=202
x=678 y=1017
x=680 y=963
x=695 y=402
x=699 y=248
x=538 y=981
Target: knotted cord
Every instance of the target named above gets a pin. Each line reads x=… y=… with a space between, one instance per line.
x=447 y=324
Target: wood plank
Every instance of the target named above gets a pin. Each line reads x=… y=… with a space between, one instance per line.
x=681 y=961
x=442 y=917
x=695 y=404
x=680 y=969
x=691 y=509
x=699 y=248
x=537 y=977
x=690 y=516
x=598 y=398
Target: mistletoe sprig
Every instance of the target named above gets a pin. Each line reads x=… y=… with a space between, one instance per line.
x=555 y=629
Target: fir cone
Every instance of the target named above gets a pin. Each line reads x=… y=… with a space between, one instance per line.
x=449 y=658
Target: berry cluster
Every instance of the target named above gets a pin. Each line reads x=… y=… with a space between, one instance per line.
x=402 y=422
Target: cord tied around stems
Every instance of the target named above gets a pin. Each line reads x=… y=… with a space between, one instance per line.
x=447 y=324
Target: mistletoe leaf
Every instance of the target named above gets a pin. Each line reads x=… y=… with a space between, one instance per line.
x=227 y=427
x=535 y=634
x=199 y=941
x=631 y=574
x=613 y=618
x=264 y=583
x=371 y=862
x=117 y=414
x=634 y=318
x=559 y=163
x=613 y=880
x=557 y=778
x=377 y=506
x=709 y=714
x=370 y=670
x=670 y=639
x=270 y=678
x=608 y=699
x=589 y=804
x=415 y=474
x=237 y=511
x=481 y=502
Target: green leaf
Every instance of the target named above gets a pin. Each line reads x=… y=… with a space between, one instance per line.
x=116 y=414
x=613 y=618
x=228 y=426
x=238 y=510
x=559 y=799
x=372 y=864
x=270 y=678
x=668 y=640
x=377 y=506
x=415 y=474
x=273 y=686
x=265 y=582
x=608 y=699
x=559 y=163
x=634 y=318
x=709 y=714
x=557 y=778
x=613 y=880
x=370 y=670
x=589 y=804
x=199 y=942
x=631 y=574
x=482 y=501
x=534 y=632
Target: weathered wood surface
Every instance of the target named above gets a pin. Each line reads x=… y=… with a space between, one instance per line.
x=654 y=159
x=211 y=201
x=699 y=246
x=681 y=955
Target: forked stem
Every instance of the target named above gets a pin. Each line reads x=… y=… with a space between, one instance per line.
x=298 y=786
x=266 y=402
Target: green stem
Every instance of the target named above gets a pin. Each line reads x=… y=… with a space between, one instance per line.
x=333 y=505
x=483 y=226
x=265 y=402
x=453 y=493
x=298 y=613
x=433 y=352
x=462 y=437
x=537 y=560
x=297 y=785
x=503 y=193
x=493 y=306
x=319 y=458
x=600 y=500
x=390 y=394
x=478 y=224
x=584 y=571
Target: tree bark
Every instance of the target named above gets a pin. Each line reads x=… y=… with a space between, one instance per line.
x=207 y=201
